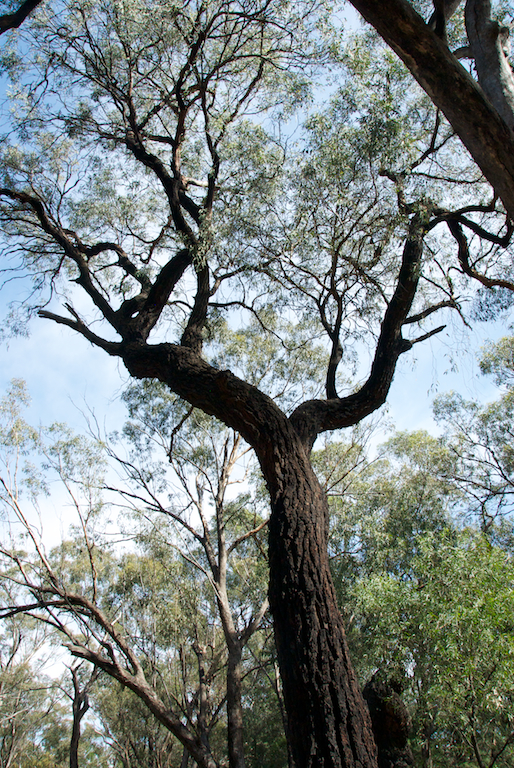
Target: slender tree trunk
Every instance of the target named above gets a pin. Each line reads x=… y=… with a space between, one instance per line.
x=283 y=714
x=80 y=707
x=328 y=721
x=202 y=720
x=234 y=707
x=185 y=758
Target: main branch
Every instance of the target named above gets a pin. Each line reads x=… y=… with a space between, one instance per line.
x=316 y=416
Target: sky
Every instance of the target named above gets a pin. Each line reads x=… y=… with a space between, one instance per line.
x=66 y=376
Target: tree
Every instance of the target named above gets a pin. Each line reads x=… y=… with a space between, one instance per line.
x=211 y=572
x=80 y=705
x=482 y=117
x=230 y=557
x=27 y=699
x=144 y=186
x=445 y=634
x=480 y=440
x=426 y=596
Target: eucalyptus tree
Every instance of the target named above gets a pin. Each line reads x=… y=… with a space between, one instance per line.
x=426 y=598
x=28 y=700
x=219 y=536
x=482 y=114
x=197 y=552
x=146 y=189
x=445 y=632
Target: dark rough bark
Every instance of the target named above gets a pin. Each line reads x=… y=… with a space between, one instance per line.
x=329 y=725
x=328 y=721
x=14 y=20
x=315 y=416
x=391 y=722
x=451 y=88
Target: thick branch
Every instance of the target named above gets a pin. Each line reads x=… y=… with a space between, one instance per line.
x=235 y=402
x=158 y=295
x=316 y=416
x=446 y=304
x=193 y=333
x=123 y=260
x=450 y=87
x=14 y=20
x=172 y=186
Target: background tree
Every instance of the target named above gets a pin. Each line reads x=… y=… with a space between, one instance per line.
x=421 y=543
x=443 y=633
x=204 y=561
x=480 y=438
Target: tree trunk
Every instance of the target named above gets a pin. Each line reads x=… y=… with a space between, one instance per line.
x=328 y=721
x=80 y=707
x=490 y=48
x=234 y=707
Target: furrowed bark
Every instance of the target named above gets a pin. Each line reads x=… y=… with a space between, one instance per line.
x=328 y=721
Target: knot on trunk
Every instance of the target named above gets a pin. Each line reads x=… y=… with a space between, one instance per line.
x=390 y=721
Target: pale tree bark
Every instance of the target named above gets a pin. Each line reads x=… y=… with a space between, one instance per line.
x=218 y=556
x=489 y=46
x=112 y=656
